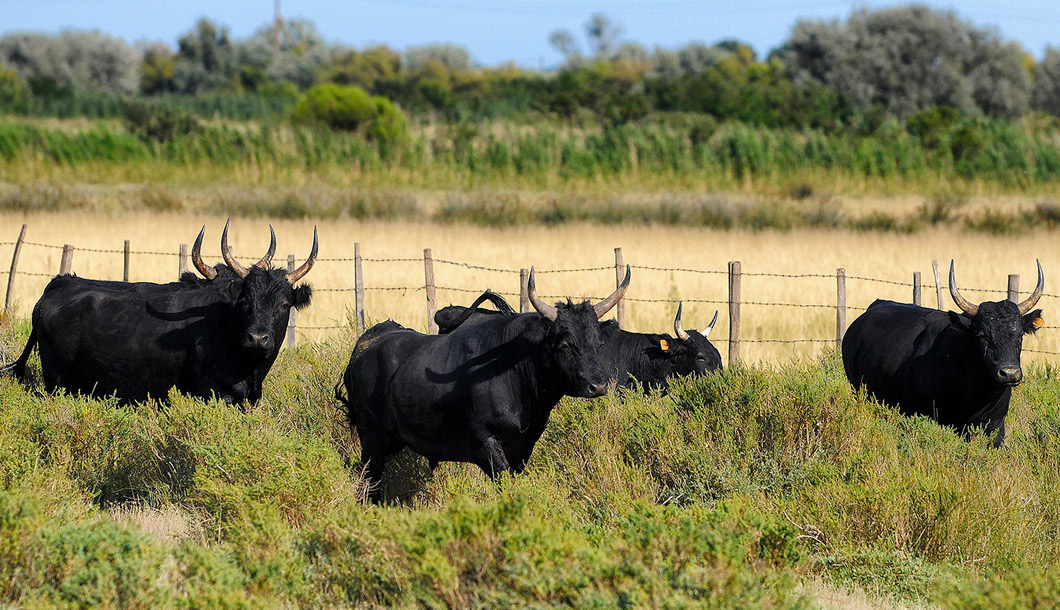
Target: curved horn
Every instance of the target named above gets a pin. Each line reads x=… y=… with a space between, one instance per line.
x=299 y=273
x=230 y=260
x=196 y=257
x=605 y=306
x=1032 y=300
x=543 y=308
x=680 y=332
x=266 y=261
x=706 y=331
x=966 y=306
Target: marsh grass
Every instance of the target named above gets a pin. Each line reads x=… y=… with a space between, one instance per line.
x=730 y=491
x=537 y=155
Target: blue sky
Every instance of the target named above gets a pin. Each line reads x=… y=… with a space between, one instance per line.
x=495 y=31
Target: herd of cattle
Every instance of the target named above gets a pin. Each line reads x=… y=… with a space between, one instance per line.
x=482 y=390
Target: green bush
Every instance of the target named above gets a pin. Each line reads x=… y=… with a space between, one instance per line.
x=160 y=122
x=350 y=108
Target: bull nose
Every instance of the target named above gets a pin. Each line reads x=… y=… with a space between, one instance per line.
x=596 y=390
x=1010 y=375
x=260 y=340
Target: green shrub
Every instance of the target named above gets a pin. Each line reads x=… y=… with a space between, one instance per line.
x=997 y=222
x=350 y=108
x=159 y=122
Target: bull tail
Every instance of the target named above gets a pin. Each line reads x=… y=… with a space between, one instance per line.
x=17 y=369
x=340 y=395
x=497 y=300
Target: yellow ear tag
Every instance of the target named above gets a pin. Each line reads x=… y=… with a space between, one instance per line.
x=664 y=344
x=1038 y=323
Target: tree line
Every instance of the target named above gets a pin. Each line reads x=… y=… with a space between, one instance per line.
x=892 y=63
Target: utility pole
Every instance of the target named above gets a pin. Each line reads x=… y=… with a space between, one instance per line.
x=277 y=25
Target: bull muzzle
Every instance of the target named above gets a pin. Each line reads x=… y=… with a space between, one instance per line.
x=259 y=341
x=1010 y=376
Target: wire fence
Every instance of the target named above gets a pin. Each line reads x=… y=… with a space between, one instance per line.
x=761 y=323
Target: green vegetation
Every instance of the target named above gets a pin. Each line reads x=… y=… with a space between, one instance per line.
x=726 y=494
x=675 y=150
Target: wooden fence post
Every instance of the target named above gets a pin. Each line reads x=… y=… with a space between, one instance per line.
x=290 y=321
x=182 y=260
x=938 y=283
x=620 y=274
x=524 y=292
x=1014 y=288
x=840 y=306
x=14 y=264
x=358 y=288
x=734 y=312
x=916 y=288
x=428 y=276
x=67 y=262
x=125 y=268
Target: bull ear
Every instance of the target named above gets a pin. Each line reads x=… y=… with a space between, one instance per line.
x=302 y=295
x=1032 y=322
x=960 y=321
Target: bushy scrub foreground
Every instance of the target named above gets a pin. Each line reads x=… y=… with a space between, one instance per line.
x=734 y=491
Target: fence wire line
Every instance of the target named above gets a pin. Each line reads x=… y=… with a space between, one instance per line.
x=572 y=270
x=471 y=266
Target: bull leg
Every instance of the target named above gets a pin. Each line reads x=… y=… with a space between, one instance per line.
x=999 y=435
x=490 y=457
x=376 y=446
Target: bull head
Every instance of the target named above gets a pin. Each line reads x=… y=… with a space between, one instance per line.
x=265 y=295
x=695 y=354
x=998 y=328
x=573 y=340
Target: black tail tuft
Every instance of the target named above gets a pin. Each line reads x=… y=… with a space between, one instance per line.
x=17 y=369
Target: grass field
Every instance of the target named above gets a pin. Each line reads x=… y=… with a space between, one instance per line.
x=770 y=486
x=765 y=487
x=983 y=262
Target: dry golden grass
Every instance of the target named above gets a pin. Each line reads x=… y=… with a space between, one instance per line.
x=168 y=524
x=829 y=597
x=982 y=262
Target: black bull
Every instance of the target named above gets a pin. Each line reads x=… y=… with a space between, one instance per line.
x=217 y=336
x=627 y=357
x=956 y=368
x=481 y=394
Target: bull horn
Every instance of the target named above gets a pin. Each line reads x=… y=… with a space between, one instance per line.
x=680 y=332
x=230 y=260
x=266 y=261
x=966 y=306
x=1032 y=300
x=299 y=273
x=605 y=306
x=706 y=331
x=543 y=308
x=196 y=257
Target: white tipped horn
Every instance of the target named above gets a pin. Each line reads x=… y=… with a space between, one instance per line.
x=196 y=257
x=230 y=260
x=543 y=308
x=1032 y=300
x=300 y=272
x=966 y=306
x=706 y=331
x=266 y=260
x=605 y=305
x=678 y=331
